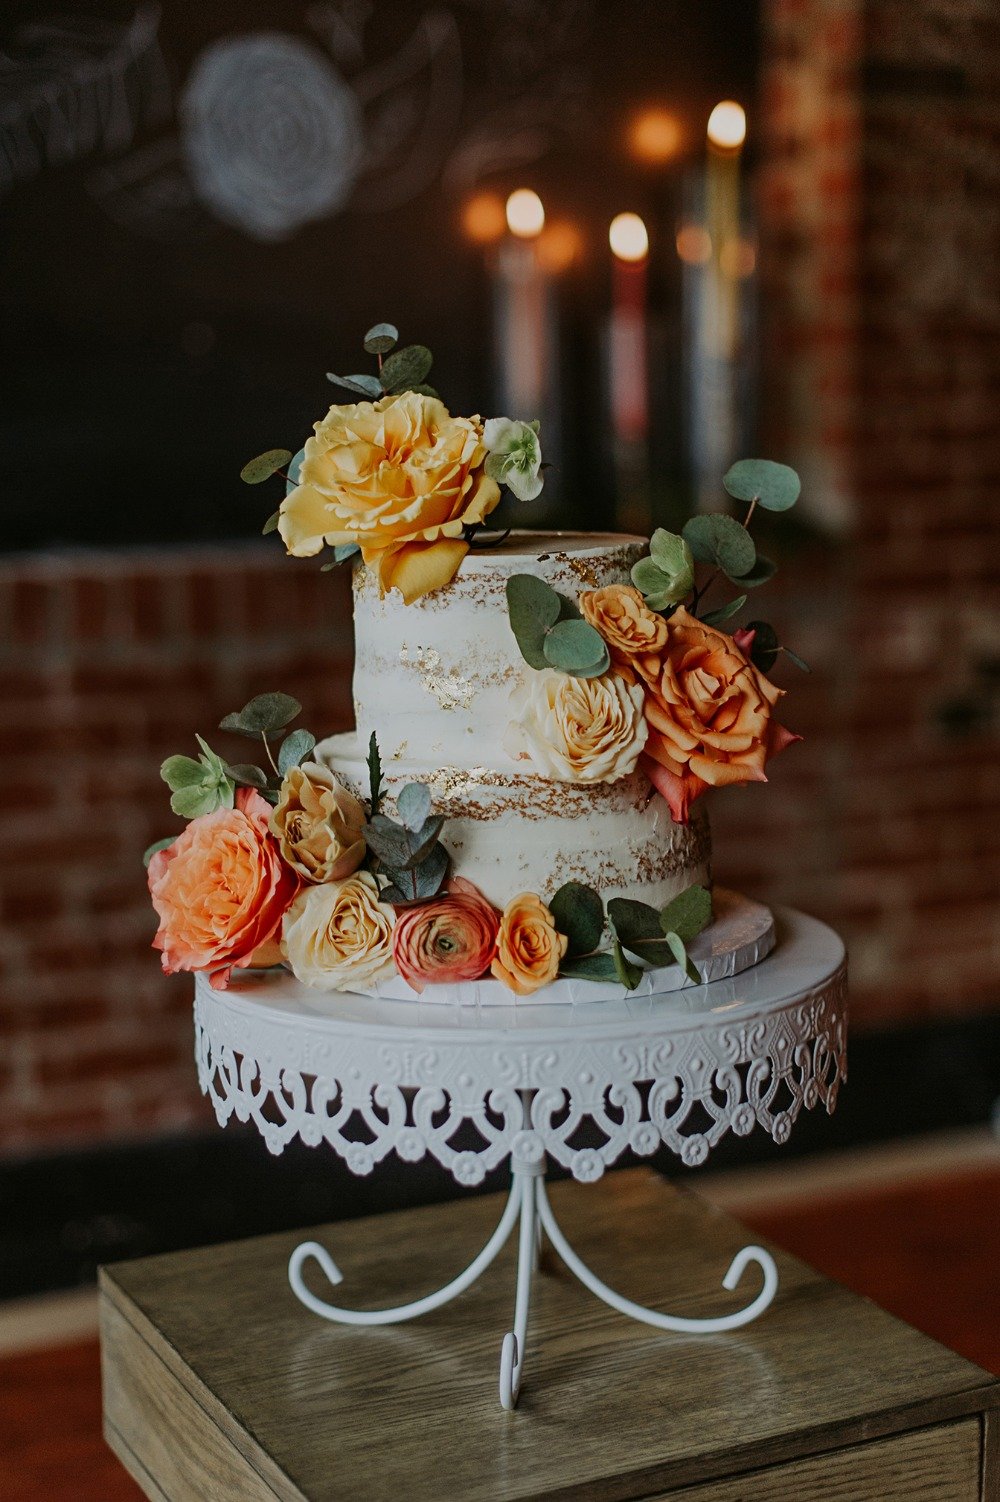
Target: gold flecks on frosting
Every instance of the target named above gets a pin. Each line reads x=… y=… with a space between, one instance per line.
x=446 y=685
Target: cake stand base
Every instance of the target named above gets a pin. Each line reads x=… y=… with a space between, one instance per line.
x=529 y=1209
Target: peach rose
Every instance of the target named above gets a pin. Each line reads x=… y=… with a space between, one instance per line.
x=401 y=478
x=709 y=713
x=220 y=890
x=621 y=615
x=452 y=938
x=338 y=936
x=529 y=950
x=577 y=729
x=319 y=824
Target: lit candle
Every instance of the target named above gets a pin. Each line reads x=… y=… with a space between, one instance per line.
x=628 y=372
x=523 y=309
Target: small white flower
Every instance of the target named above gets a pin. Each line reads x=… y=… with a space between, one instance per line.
x=514 y=456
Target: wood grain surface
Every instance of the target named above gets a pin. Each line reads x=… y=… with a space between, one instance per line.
x=216 y=1378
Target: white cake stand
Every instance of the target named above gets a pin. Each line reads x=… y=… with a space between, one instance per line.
x=578 y=1084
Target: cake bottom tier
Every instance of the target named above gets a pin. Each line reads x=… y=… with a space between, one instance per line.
x=509 y=832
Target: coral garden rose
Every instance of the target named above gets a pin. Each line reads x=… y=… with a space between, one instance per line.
x=338 y=936
x=577 y=729
x=621 y=615
x=319 y=824
x=220 y=890
x=401 y=478
x=709 y=712
x=452 y=938
x=529 y=949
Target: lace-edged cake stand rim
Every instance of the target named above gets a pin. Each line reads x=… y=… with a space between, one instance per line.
x=580 y=1084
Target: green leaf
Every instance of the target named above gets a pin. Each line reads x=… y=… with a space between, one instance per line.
x=723 y=613
x=590 y=967
x=533 y=607
x=668 y=551
x=422 y=389
x=649 y=578
x=256 y=471
x=374 y=774
x=361 y=385
x=577 y=648
x=774 y=486
x=423 y=881
x=569 y=610
x=579 y=914
x=244 y=774
x=191 y=802
x=422 y=842
x=630 y=975
x=671 y=556
x=181 y=772
x=688 y=913
x=271 y=525
x=765 y=645
x=294 y=471
x=799 y=662
x=721 y=540
x=148 y=854
x=414 y=804
x=763 y=569
x=680 y=954
x=388 y=841
x=294 y=749
x=634 y=922
x=406 y=367
x=381 y=338
x=344 y=550
x=262 y=715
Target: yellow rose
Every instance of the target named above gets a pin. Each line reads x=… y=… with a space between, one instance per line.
x=338 y=936
x=319 y=824
x=624 y=619
x=578 y=729
x=529 y=949
x=401 y=478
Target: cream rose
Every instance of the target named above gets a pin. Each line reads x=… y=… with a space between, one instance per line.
x=338 y=936
x=319 y=824
x=400 y=477
x=577 y=729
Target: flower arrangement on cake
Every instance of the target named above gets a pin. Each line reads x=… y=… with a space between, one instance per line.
x=549 y=708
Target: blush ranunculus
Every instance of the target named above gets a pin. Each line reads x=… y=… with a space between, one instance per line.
x=220 y=890
x=451 y=938
x=400 y=477
x=529 y=948
x=709 y=712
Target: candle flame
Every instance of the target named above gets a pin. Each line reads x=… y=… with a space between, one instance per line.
x=628 y=237
x=483 y=218
x=655 y=135
x=727 y=125
x=525 y=214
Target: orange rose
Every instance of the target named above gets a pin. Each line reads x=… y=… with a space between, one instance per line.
x=709 y=714
x=220 y=890
x=529 y=949
x=400 y=477
x=452 y=938
x=625 y=621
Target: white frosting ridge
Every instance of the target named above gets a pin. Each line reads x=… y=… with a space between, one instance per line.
x=433 y=679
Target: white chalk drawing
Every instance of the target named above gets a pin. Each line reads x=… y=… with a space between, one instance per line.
x=272 y=134
x=72 y=86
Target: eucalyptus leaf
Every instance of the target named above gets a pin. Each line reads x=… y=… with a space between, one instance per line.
x=262 y=715
x=577 y=648
x=157 y=845
x=271 y=525
x=634 y=922
x=388 y=841
x=590 y=967
x=579 y=914
x=392 y=894
x=649 y=578
x=774 y=486
x=423 y=881
x=257 y=470
x=422 y=389
x=362 y=385
x=414 y=804
x=764 y=648
x=799 y=662
x=533 y=607
x=406 y=367
x=294 y=749
x=244 y=774
x=724 y=612
x=423 y=841
x=630 y=975
x=294 y=471
x=721 y=540
x=763 y=570
x=381 y=338
x=344 y=550
x=374 y=774
x=688 y=913
x=569 y=610
x=680 y=954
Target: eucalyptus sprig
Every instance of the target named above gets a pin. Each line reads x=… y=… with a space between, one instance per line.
x=401 y=370
x=640 y=935
x=262 y=719
x=407 y=851
x=550 y=630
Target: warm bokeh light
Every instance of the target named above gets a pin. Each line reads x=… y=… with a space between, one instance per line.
x=628 y=237
x=483 y=218
x=655 y=135
x=727 y=125
x=559 y=245
x=694 y=244
x=525 y=214
x=738 y=258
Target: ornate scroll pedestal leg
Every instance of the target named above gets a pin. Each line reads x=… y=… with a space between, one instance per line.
x=528 y=1206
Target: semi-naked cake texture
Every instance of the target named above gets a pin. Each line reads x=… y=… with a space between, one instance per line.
x=433 y=680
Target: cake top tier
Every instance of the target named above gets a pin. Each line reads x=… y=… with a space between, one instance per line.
x=433 y=678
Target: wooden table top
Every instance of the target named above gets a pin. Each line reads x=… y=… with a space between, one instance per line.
x=609 y=1408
